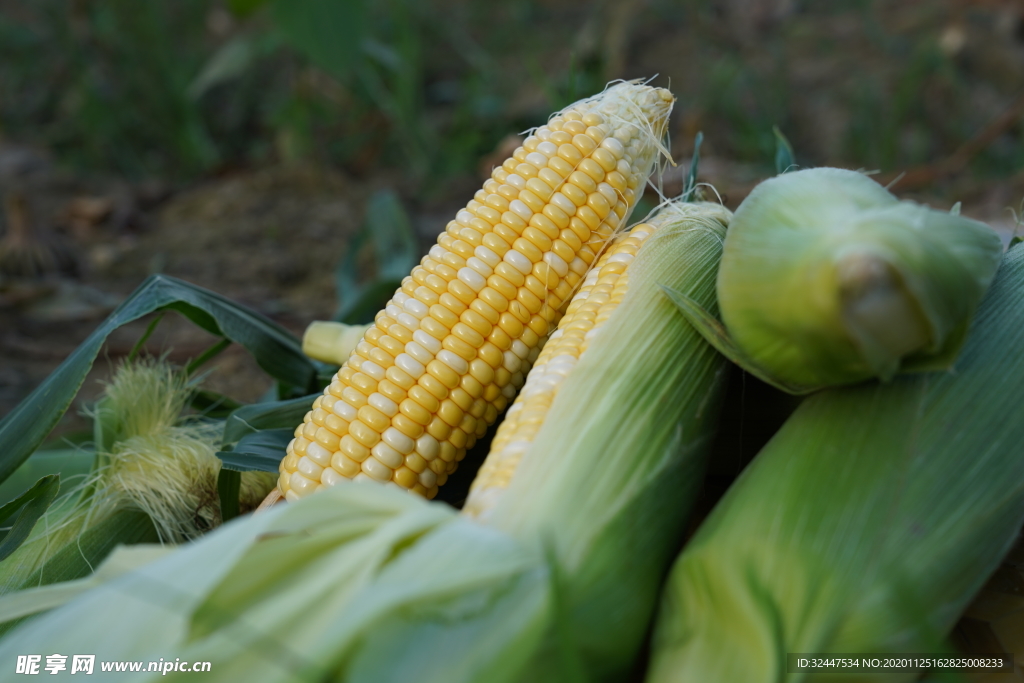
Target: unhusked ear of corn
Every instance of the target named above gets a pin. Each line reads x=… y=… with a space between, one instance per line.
x=828 y=279
x=866 y=525
x=434 y=371
x=600 y=455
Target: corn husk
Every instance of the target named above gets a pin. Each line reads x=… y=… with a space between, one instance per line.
x=331 y=342
x=154 y=479
x=828 y=279
x=365 y=583
x=865 y=526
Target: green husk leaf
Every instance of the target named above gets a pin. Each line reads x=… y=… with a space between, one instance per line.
x=642 y=401
x=322 y=589
x=785 y=160
x=828 y=279
x=866 y=525
x=276 y=351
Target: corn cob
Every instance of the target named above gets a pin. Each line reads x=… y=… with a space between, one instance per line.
x=602 y=291
x=454 y=344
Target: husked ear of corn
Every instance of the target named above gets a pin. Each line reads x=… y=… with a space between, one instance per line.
x=453 y=345
x=600 y=455
x=866 y=525
x=552 y=577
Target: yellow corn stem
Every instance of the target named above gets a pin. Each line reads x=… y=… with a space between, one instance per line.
x=452 y=347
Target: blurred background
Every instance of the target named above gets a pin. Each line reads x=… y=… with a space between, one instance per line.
x=238 y=143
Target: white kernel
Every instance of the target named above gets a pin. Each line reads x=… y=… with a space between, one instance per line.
x=608 y=192
x=372 y=369
x=563 y=203
x=428 y=478
x=578 y=266
x=383 y=404
x=511 y=362
x=620 y=258
x=464 y=218
x=479 y=266
x=353 y=396
x=543 y=133
x=537 y=159
x=487 y=256
x=344 y=410
x=639 y=233
x=309 y=469
x=455 y=362
x=437 y=251
x=515 y=180
x=300 y=485
x=400 y=298
x=548 y=149
x=377 y=470
x=392 y=310
x=387 y=455
x=624 y=168
x=407 y=321
x=427 y=446
x=518 y=261
x=520 y=349
x=426 y=341
x=418 y=352
x=472 y=279
x=410 y=365
x=397 y=440
x=416 y=309
x=362 y=476
x=557 y=263
x=330 y=477
x=520 y=209
x=291 y=496
x=318 y=454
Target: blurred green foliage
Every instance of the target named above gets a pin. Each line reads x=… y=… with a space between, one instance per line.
x=183 y=88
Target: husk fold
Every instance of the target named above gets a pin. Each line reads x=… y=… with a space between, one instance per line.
x=865 y=526
x=828 y=279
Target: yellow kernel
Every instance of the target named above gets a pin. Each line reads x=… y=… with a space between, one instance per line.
x=452 y=304
x=365 y=435
x=405 y=477
x=532 y=201
x=407 y=426
x=443 y=316
x=373 y=418
x=327 y=438
x=462 y=399
x=496 y=244
x=415 y=411
x=500 y=338
x=512 y=275
x=344 y=465
x=391 y=390
x=415 y=462
x=538 y=238
x=434 y=387
x=450 y=413
x=470 y=385
x=560 y=166
x=399 y=377
x=484 y=310
x=476 y=322
x=510 y=324
x=442 y=373
x=574 y=194
x=424 y=398
x=335 y=424
x=528 y=249
x=439 y=429
x=459 y=347
x=481 y=371
x=352 y=449
x=519 y=310
x=462 y=291
x=458 y=438
x=433 y=328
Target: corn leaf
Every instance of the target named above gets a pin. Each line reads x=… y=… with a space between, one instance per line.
x=26 y=510
x=270 y=415
x=262 y=450
x=274 y=348
x=395 y=251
